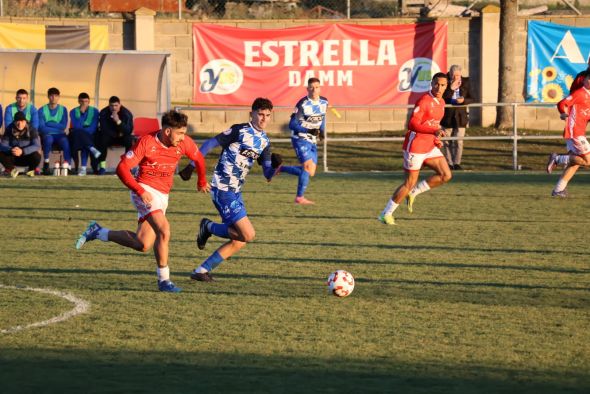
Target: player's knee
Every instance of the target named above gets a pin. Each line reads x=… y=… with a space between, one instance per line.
x=446 y=176
x=142 y=247
x=249 y=235
x=164 y=234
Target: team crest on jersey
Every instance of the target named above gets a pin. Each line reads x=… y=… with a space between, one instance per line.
x=129 y=154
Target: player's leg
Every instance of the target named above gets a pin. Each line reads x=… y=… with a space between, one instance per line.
x=161 y=229
x=398 y=196
x=441 y=176
x=560 y=187
x=236 y=226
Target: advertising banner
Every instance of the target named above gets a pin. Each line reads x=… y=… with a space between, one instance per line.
x=555 y=54
x=357 y=65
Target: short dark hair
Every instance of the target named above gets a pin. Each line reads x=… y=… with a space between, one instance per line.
x=83 y=95
x=440 y=75
x=174 y=119
x=312 y=80
x=51 y=91
x=22 y=91
x=261 y=103
x=114 y=99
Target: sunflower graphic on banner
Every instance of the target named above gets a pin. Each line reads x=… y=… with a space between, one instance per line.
x=555 y=54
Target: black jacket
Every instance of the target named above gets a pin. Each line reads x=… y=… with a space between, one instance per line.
x=107 y=126
x=457 y=117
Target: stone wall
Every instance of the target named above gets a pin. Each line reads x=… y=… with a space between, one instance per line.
x=464 y=48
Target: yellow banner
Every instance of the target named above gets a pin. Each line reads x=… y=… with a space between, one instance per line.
x=21 y=36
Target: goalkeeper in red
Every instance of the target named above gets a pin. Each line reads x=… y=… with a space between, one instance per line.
x=422 y=147
x=157 y=156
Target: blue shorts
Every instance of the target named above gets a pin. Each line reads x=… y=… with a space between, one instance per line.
x=229 y=204
x=305 y=150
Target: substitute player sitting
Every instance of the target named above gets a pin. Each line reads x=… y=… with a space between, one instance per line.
x=157 y=156
x=308 y=123
x=575 y=109
x=422 y=147
x=242 y=145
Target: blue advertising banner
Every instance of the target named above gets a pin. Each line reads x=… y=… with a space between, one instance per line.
x=555 y=54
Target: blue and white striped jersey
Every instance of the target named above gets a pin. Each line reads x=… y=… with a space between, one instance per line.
x=242 y=144
x=308 y=115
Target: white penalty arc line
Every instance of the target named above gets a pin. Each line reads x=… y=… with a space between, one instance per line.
x=81 y=306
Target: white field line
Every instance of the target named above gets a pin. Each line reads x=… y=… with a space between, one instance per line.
x=81 y=306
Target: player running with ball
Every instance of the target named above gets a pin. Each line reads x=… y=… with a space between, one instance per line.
x=422 y=147
x=157 y=156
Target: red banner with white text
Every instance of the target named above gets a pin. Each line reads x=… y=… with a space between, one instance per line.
x=357 y=65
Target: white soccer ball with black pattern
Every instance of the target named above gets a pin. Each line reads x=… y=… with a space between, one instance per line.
x=340 y=283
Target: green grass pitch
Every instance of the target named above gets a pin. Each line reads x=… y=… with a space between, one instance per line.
x=485 y=288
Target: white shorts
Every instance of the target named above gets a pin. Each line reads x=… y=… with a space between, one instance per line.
x=414 y=161
x=159 y=203
x=579 y=146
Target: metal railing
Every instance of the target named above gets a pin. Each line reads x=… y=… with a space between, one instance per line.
x=514 y=137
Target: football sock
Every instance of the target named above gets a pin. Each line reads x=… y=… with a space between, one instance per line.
x=103 y=234
x=212 y=262
x=302 y=184
x=562 y=159
x=219 y=229
x=560 y=185
x=163 y=273
x=293 y=170
x=390 y=207
x=420 y=188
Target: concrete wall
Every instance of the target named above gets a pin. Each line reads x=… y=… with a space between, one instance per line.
x=464 y=48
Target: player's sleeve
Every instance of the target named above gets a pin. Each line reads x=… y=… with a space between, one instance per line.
x=564 y=105
x=128 y=161
x=419 y=121
x=266 y=160
x=295 y=122
x=229 y=136
x=193 y=153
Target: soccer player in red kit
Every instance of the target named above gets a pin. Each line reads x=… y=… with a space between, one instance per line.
x=157 y=156
x=575 y=109
x=422 y=147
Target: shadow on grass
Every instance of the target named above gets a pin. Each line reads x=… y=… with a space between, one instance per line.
x=33 y=370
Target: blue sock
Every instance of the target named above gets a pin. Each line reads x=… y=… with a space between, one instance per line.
x=302 y=184
x=212 y=261
x=219 y=229
x=293 y=170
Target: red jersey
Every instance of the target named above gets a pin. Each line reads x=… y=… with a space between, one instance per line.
x=424 y=124
x=157 y=163
x=577 y=106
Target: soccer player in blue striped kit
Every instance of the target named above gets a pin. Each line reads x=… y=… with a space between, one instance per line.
x=242 y=145
x=308 y=124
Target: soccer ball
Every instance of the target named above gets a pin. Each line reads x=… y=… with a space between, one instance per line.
x=340 y=283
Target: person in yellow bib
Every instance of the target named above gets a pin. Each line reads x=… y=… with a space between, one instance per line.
x=53 y=123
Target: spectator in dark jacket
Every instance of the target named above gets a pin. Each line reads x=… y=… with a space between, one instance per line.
x=20 y=146
x=115 y=128
x=456 y=119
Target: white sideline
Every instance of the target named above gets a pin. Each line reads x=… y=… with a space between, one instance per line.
x=82 y=306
